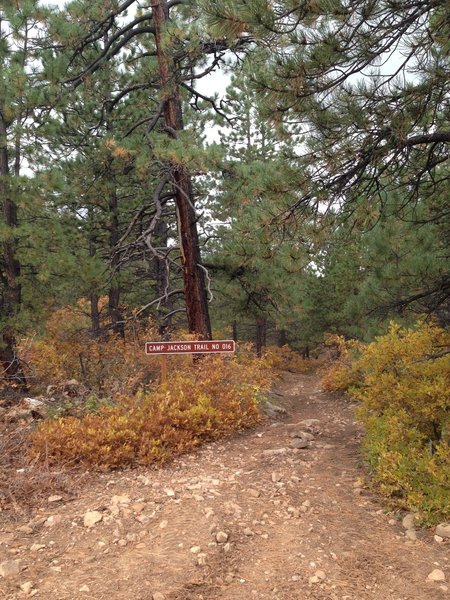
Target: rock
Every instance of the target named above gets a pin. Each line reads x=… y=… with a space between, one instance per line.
x=408 y=521
x=317 y=577
x=436 y=575
x=170 y=492
x=26 y=587
x=298 y=443
x=25 y=529
x=274 y=451
x=122 y=543
x=254 y=493
x=310 y=422
x=37 y=547
x=438 y=539
x=411 y=534
x=163 y=524
x=276 y=477
x=138 y=507
x=443 y=530
x=116 y=500
x=158 y=596
x=92 y=517
x=53 y=520
x=303 y=435
x=10 y=568
x=227 y=547
x=196 y=549
x=221 y=537
x=273 y=410
x=201 y=559
x=84 y=588
x=54 y=498
x=248 y=532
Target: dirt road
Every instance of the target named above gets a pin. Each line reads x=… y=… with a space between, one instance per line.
x=248 y=518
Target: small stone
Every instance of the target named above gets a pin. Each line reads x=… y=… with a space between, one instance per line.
x=53 y=520
x=196 y=549
x=158 y=596
x=139 y=507
x=25 y=529
x=92 y=517
x=201 y=559
x=411 y=534
x=170 y=492
x=26 y=587
x=408 y=521
x=122 y=543
x=248 y=532
x=438 y=539
x=221 y=537
x=10 y=568
x=436 y=575
x=116 y=500
x=299 y=444
x=310 y=422
x=443 y=530
x=37 y=547
x=254 y=493
x=163 y=524
x=54 y=498
x=85 y=588
x=274 y=451
x=227 y=547
x=276 y=477
x=317 y=577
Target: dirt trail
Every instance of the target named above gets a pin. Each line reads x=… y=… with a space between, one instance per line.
x=297 y=522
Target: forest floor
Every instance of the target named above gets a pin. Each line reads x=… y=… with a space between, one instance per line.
x=246 y=518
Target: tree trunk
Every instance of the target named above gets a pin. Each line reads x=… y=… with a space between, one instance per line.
x=115 y=315
x=195 y=291
x=261 y=336
x=235 y=331
x=282 y=338
x=114 y=291
x=10 y=299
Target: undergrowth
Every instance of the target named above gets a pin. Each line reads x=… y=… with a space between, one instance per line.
x=402 y=381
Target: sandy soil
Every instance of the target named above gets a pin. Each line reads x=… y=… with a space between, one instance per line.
x=247 y=518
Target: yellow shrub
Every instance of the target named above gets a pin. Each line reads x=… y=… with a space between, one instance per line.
x=217 y=396
x=285 y=359
x=403 y=384
x=343 y=372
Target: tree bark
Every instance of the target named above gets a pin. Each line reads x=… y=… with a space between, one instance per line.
x=282 y=338
x=235 y=331
x=261 y=336
x=195 y=291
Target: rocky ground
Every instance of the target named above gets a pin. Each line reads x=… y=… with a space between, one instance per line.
x=277 y=513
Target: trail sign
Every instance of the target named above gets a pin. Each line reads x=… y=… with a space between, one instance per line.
x=191 y=347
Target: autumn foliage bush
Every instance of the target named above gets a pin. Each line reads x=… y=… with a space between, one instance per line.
x=201 y=403
x=402 y=381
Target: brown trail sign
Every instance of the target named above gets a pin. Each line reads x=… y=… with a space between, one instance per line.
x=191 y=347
x=163 y=349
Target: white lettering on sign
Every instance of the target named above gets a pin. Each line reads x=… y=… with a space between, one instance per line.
x=196 y=347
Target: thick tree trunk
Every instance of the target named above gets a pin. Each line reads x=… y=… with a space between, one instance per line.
x=195 y=291
x=261 y=336
x=10 y=298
